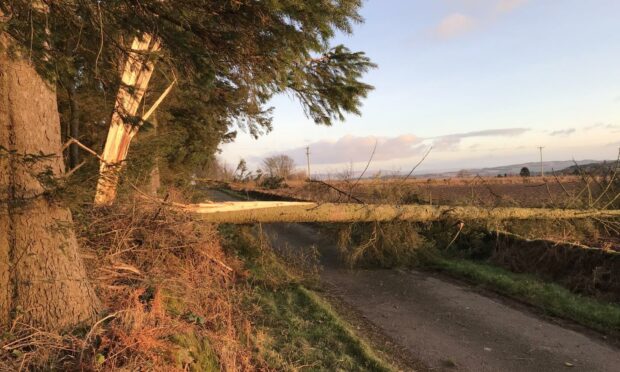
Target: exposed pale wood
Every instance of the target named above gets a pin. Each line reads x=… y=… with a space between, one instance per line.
x=269 y=211
x=83 y=146
x=135 y=79
x=159 y=101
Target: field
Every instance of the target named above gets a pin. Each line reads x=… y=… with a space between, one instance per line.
x=553 y=192
x=535 y=192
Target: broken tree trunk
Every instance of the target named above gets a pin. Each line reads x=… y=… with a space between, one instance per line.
x=43 y=281
x=254 y=211
x=135 y=79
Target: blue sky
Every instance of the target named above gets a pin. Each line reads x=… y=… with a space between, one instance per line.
x=482 y=81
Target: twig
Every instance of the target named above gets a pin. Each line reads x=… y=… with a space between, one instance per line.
x=611 y=180
x=83 y=146
x=367 y=165
x=560 y=183
x=74 y=169
x=586 y=181
x=337 y=190
x=418 y=164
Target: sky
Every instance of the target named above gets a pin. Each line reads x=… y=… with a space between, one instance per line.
x=482 y=82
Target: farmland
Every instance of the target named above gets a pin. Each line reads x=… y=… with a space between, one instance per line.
x=488 y=192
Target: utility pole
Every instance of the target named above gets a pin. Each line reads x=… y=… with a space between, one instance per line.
x=542 y=170
x=308 y=158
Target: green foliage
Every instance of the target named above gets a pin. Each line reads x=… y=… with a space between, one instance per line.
x=230 y=59
x=298 y=328
x=195 y=352
x=525 y=172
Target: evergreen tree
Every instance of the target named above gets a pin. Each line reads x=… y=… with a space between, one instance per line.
x=525 y=172
x=232 y=56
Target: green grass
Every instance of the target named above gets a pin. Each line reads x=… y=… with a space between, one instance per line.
x=195 y=353
x=298 y=329
x=551 y=298
x=293 y=327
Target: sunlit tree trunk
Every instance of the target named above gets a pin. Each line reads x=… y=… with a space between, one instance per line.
x=136 y=75
x=42 y=278
x=266 y=212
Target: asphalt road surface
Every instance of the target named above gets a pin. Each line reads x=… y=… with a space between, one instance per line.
x=446 y=325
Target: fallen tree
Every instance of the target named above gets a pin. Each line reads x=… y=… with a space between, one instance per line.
x=265 y=212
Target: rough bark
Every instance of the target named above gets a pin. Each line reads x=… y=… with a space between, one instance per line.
x=135 y=79
x=251 y=212
x=43 y=281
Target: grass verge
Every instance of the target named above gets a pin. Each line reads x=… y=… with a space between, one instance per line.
x=551 y=298
x=409 y=245
x=294 y=328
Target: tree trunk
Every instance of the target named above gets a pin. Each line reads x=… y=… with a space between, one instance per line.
x=136 y=76
x=42 y=278
x=74 y=127
x=268 y=211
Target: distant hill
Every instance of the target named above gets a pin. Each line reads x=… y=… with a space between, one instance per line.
x=559 y=166
x=564 y=167
x=597 y=168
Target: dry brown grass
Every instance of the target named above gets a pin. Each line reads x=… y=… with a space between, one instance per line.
x=169 y=294
x=479 y=191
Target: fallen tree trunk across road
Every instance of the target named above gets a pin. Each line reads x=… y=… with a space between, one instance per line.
x=277 y=211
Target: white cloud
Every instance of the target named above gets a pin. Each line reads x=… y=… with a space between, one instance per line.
x=563 y=132
x=614 y=128
x=454 y=25
x=356 y=149
x=507 y=6
x=484 y=12
x=450 y=141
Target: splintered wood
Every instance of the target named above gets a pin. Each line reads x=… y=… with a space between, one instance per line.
x=269 y=211
x=135 y=79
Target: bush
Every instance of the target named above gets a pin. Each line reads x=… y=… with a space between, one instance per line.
x=273 y=182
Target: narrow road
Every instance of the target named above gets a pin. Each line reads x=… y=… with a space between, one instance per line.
x=448 y=326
